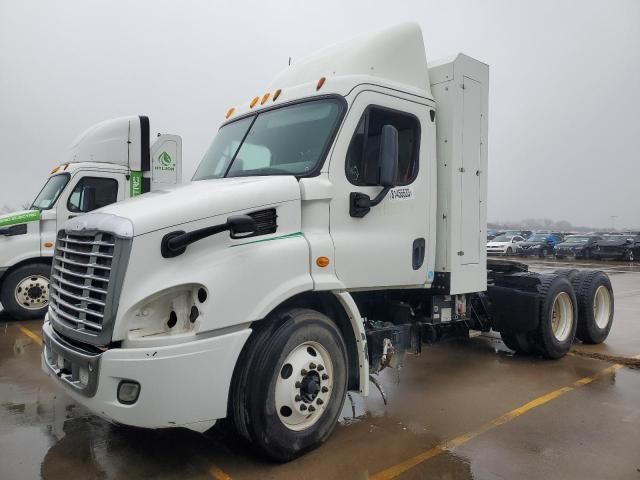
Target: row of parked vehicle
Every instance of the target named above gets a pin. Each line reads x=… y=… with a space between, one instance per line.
x=604 y=246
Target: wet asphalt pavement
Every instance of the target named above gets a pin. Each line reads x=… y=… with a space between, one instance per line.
x=463 y=409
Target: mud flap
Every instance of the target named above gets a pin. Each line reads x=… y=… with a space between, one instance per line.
x=513 y=310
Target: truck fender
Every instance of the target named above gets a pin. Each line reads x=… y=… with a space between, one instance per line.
x=351 y=309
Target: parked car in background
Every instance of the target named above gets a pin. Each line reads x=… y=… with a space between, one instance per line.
x=491 y=234
x=538 y=244
x=618 y=247
x=520 y=233
x=504 y=245
x=578 y=246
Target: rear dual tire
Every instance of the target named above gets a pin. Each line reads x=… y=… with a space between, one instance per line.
x=595 y=306
x=558 y=317
x=290 y=383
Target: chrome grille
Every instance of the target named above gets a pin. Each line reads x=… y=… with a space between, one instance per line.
x=80 y=277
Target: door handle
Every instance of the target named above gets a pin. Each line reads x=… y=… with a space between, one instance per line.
x=419 y=248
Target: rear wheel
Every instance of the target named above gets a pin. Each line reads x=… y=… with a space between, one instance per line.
x=595 y=306
x=558 y=316
x=290 y=383
x=25 y=291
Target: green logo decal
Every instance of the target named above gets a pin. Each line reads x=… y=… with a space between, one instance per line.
x=25 y=217
x=165 y=159
x=136 y=183
x=165 y=163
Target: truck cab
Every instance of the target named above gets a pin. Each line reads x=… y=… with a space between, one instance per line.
x=99 y=169
x=337 y=220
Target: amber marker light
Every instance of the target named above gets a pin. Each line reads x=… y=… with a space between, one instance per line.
x=320 y=83
x=253 y=102
x=322 y=261
x=265 y=97
x=47 y=245
x=54 y=170
x=230 y=112
x=276 y=94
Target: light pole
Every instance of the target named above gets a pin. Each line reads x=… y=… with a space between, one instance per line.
x=613 y=222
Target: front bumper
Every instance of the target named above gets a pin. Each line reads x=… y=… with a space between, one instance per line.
x=183 y=385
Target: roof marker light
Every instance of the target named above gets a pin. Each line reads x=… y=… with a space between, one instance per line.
x=320 y=83
x=253 y=102
x=55 y=170
x=265 y=97
x=276 y=94
x=230 y=112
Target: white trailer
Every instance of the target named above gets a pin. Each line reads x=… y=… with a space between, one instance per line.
x=336 y=221
x=110 y=162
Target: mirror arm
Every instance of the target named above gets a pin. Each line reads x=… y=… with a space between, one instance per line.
x=175 y=243
x=379 y=197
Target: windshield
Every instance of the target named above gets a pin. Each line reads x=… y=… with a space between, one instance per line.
x=577 y=239
x=290 y=140
x=537 y=238
x=501 y=238
x=50 y=192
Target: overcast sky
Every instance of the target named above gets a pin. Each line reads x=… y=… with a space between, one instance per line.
x=564 y=121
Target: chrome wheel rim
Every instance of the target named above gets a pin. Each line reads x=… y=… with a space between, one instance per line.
x=602 y=306
x=32 y=293
x=304 y=386
x=562 y=316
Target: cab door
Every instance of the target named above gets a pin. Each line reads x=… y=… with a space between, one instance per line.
x=393 y=244
x=88 y=191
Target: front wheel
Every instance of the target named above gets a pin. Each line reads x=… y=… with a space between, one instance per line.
x=509 y=252
x=290 y=383
x=25 y=291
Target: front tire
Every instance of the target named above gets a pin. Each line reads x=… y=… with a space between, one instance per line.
x=290 y=383
x=595 y=306
x=509 y=252
x=25 y=291
x=558 y=316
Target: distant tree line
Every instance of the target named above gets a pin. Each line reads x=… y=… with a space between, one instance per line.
x=544 y=224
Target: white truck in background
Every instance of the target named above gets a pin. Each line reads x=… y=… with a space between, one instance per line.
x=335 y=222
x=108 y=163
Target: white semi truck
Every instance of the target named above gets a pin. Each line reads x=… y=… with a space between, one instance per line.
x=334 y=223
x=109 y=162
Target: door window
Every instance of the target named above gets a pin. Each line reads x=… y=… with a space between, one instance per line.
x=91 y=193
x=363 y=153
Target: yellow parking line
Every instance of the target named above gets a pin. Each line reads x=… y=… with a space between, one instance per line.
x=32 y=335
x=218 y=474
x=400 y=468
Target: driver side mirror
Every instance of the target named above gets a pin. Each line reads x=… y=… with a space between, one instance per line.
x=361 y=203
x=388 y=157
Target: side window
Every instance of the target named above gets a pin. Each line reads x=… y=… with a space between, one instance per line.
x=91 y=193
x=362 y=156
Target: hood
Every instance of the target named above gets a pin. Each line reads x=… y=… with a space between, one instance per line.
x=575 y=246
x=529 y=244
x=16 y=218
x=204 y=198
